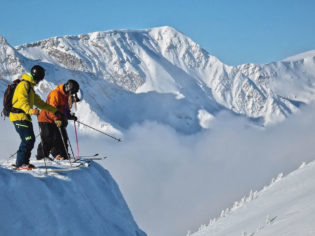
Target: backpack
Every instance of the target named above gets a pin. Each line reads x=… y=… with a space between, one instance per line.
x=7 y=99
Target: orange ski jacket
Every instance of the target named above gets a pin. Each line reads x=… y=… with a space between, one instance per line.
x=59 y=99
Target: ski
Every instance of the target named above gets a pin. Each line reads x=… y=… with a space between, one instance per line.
x=81 y=165
x=46 y=159
x=13 y=167
x=64 y=169
x=90 y=159
x=87 y=156
x=96 y=154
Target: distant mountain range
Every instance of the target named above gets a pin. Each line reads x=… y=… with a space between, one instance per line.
x=161 y=75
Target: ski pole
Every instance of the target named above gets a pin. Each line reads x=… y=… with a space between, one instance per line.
x=71 y=148
x=76 y=138
x=18 y=150
x=64 y=144
x=13 y=154
x=41 y=143
x=117 y=139
x=45 y=164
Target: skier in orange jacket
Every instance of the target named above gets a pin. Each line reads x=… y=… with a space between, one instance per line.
x=51 y=126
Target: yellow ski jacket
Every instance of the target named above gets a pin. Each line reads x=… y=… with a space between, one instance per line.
x=25 y=98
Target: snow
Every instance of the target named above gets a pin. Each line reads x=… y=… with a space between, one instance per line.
x=301 y=56
x=153 y=87
x=205 y=119
x=86 y=201
x=285 y=207
x=124 y=65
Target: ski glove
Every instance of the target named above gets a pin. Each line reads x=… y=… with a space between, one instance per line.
x=58 y=123
x=73 y=117
x=59 y=114
x=34 y=112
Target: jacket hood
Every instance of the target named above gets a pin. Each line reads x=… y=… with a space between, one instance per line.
x=60 y=89
x=28 y=77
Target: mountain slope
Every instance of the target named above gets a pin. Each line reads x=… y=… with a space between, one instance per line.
x=134 y=72
x=80 y=202
x=161 y=75
x=286 y=207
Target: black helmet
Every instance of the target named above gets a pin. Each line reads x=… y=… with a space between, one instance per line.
x=38 y=73
x=71 y=86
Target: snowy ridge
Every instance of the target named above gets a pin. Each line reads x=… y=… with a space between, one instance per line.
x=310 y=55
x=86 y=201
x=285 y=207
x=238 y=204
x=162 y=75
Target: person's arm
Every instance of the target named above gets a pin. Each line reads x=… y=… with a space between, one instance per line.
x=43 y=105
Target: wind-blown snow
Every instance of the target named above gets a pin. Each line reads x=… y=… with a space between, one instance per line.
x=86 y=201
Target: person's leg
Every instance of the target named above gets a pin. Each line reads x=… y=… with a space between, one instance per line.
x=65 y=145
x=40 y=154
x=30 y=144
x=26 y=133
x=60 y=148
x=47 y=141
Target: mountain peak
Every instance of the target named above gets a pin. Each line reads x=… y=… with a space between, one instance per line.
x=3 y=40
x=169 y=33
x=162 y=60
x=164 y=28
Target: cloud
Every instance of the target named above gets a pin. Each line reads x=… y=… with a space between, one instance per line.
x=9 y=139
x=174 y=183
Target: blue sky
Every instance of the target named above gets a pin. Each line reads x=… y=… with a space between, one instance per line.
x=237 y=32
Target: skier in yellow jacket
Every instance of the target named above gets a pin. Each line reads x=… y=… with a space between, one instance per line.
x=23 y=100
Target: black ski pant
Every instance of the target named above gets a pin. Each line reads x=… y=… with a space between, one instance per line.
x=51 y=141
x=25 y=130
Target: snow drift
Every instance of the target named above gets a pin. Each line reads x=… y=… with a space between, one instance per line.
x=86 y=201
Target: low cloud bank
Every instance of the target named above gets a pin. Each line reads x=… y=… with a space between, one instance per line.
x=174 y=183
